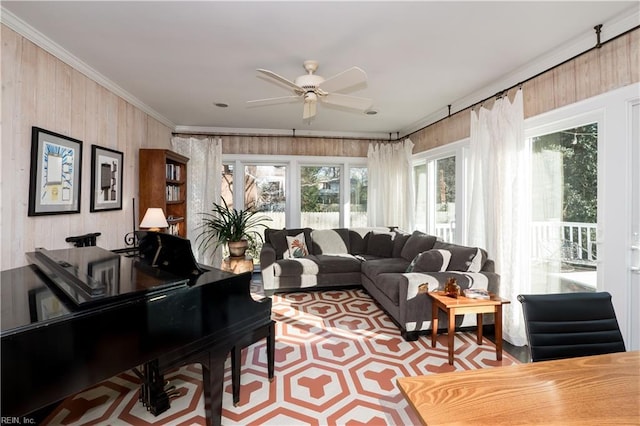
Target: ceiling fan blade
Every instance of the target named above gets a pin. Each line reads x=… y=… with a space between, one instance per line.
x=309 y=110
x=349 y=78
x=272 y=101
x=347 y=101
x=282 y=80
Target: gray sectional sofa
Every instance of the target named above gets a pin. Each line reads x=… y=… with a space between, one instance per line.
x=391 y=265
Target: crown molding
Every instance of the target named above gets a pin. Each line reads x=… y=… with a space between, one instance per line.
x=18 y=25
x=610 y=29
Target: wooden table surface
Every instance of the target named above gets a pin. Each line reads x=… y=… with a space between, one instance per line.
x=463 y=305
x=594 y=390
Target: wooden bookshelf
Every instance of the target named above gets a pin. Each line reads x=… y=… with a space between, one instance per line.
x=163 y=183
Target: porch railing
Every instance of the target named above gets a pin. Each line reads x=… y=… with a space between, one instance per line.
x=564 y=241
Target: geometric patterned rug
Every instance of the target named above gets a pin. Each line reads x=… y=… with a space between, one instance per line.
x=336 y=362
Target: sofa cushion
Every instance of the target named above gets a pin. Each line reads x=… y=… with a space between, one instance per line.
x=337 y=264
x=399 y=241
x=278 y=239
x=330 y=241
x=380 y=244
x=297 y=247
x=358 y=238
x=417 y=243
x=296 y=267
x=466 y=259
x=372 y=268
x=430 y=261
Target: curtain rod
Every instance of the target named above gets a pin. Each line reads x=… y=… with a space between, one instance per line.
x=222 y=135
x=501 y=93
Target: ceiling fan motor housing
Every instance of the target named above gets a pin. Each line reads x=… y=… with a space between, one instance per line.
x=309 y=81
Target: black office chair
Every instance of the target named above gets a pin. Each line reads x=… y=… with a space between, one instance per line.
x=569 y=325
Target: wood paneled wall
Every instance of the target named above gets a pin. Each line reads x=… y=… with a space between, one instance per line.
x=616 y=64
x=40 y=90
x=305 y=146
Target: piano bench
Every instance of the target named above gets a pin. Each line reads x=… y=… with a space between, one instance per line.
x=267 y=331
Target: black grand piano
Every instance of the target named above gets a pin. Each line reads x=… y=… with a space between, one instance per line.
x=75 y=317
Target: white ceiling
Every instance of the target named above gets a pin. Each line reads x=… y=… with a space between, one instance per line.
x=176 y=59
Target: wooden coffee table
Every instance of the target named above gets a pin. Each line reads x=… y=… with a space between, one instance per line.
x=464 y=305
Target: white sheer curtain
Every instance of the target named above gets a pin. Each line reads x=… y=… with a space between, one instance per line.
x=390 y=199
x=499 y=201
x=204 y=186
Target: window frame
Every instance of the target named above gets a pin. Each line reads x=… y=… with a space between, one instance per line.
x=293 y=164
x=460 y=151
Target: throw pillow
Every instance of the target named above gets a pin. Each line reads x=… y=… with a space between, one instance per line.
x=278 y=239
x=398 y=243
x=416 y=244
x=380 y=244
x=467 y=259
x=297 y=246
x=432 y=261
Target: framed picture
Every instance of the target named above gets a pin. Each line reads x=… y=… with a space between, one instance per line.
x=56 y=172
x=106 y=179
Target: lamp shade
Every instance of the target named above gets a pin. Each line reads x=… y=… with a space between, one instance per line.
x=154 y=219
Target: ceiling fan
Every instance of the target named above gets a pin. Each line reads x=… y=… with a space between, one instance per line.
x=311 y=88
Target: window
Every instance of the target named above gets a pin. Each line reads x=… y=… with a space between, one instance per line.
x=358 y=184
x=445 y=198
x=264 y=191
x=564 y=210
x=435 y=196
x=329 y=192
x=320 y=196
x=420 y=182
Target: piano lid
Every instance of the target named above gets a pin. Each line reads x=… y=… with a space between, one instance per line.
x=93 y=275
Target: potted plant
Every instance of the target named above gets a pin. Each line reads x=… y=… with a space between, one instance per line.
x=239 y=229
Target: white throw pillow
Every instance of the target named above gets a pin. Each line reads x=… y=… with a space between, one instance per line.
x=297 y=247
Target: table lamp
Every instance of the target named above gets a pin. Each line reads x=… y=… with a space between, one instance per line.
x=154 y=219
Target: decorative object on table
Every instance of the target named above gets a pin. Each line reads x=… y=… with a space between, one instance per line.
x=56 y=171
x=154 y=219
x=477 y=293
x=451 y=288
x=239 y=229
x=106 y=179
x=423 y=288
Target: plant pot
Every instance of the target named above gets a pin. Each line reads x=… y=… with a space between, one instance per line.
x=237 y=248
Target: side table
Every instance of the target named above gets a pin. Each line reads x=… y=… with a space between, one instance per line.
x=464 y=305
x=237 y=265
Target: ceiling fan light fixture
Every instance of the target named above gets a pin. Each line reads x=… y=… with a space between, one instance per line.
x=310 y=97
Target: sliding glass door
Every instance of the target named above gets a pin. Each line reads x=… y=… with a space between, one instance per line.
x=435 y=196
x=564 y=210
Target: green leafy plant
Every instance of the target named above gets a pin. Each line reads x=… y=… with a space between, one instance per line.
x=224 y=224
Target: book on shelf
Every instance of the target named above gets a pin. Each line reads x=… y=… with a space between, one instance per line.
x=477 y=293
x=173 y=171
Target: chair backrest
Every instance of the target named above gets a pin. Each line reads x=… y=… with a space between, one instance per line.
x=570 y=325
